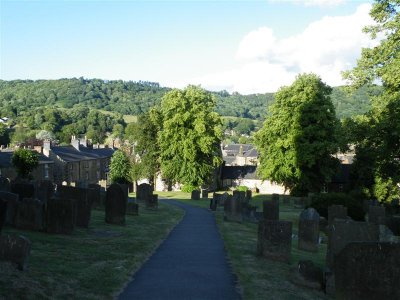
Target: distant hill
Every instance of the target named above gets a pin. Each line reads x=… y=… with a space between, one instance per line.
x=21 y=97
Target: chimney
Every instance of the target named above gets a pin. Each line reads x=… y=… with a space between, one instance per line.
x=75 y=142
x=46 y=148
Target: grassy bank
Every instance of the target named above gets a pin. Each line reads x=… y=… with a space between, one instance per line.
x=92 y=263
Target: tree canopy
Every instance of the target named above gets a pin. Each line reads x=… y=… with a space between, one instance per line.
x=24 y=161
x=377 y=137
x=190 y=137
x=120 y=167
x=298 y=138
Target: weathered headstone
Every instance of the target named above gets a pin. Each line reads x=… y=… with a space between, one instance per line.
x=144 y=192
x=368 y=270
x=3 y=212
x=60 y=217
x=152 y=202
x=195 y=195
x=15 y=249
x=30 y=215
x=12 y=206
x=275 y=240
x=116 y=202
x=271 y=209
x=23 y=189
x=309 y=230
x=233 y=209
x=336 y=211
x=132 y=208
x=45 y=190
x=4 y=184
x=376 y=215
x=204 y=194
x=344 y=232
x=82 y=202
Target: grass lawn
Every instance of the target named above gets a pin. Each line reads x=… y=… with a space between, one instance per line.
x=92 y=263
x=260 y=278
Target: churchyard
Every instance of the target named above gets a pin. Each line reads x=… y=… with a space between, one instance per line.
x=87 y=258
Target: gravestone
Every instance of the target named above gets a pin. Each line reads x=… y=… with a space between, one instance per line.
x=336 y=211
x=275 y=239
x=241 y=196
x=60 y=217
x=82 y=199
x=393 y=223
x=249 y=213
x=220 y=198
x=233 y=209
x=195 y=195
x=45 y=190
x=344 y=232
x=204 y=194
x=132 y=208
x=286 y=200
x=144 y=192
x=213 y=203
x=12 y=206
x=152 y=202
x=307 y=274
x=4 y=184
x=97 y=203
x=309 y=230
x=376 y=215
x=23 y=189
x=30 y=215
x=271 y=209
x=115 y=205
x=15 y=249
x=3 y=212
x=368 y=270
x=249 y=195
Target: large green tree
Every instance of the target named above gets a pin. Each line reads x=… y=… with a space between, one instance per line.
x=299 y=136
x=378 y=143
x=120 y=167
x=24 y=161
x=190 y=137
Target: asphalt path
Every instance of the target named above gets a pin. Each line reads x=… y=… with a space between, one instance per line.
x=190 y=264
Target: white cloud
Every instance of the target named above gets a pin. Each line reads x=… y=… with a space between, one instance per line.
x=314 y=2
x=326 y=47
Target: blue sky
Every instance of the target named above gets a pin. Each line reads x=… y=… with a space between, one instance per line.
x=244 y=46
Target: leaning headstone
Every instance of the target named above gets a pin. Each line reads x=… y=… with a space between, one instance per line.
x=132 y=208
x=60 y=217
x=336 y=212
x=344 y=232
x=30 y=215
x=204 y=194
x=271 y=209
x=368 y=270
x=144 y=192
x=195 y=195
x=233 y=209
x=376 y=215
x=115 y=205
x=12 y=206
x=309 y=230
x=3 y=212
x=4 y=184
x=152 y=202
x=23 y=190
x=275 y=240
x=15 y=249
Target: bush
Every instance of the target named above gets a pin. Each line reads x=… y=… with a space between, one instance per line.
x=353 y=201
x=241 y=188
x=188 y=188
x=25 y=161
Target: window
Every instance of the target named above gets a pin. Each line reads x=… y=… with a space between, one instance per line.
x=46 y=171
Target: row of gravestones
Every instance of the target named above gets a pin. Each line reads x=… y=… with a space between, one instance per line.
x=358 y=254
x=145 y=194
x=237 y=207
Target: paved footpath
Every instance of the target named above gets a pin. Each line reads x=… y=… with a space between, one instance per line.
x=190 y=264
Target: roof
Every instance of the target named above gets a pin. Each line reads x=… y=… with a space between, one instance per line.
x=5 y=159
x=69 y=153
x=239 y=172
x=251 y=153
x=236 y=147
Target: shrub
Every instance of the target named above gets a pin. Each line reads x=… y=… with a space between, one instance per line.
x=241 y=188
x=188 y=188
x=353 y=201
x=25 y=161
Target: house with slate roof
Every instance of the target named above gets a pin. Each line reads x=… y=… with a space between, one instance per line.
x=44 y=170
x=239 y=155
x=79 y=163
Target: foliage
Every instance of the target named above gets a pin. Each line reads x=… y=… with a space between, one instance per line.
x=353 y=202
x=242 y=188
x=4 y=135
x=24 y=161
x=120 y=167
x=377 y=135
x=188 y=188
x=190 y=136
x=45 y=135
x=298 y=138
